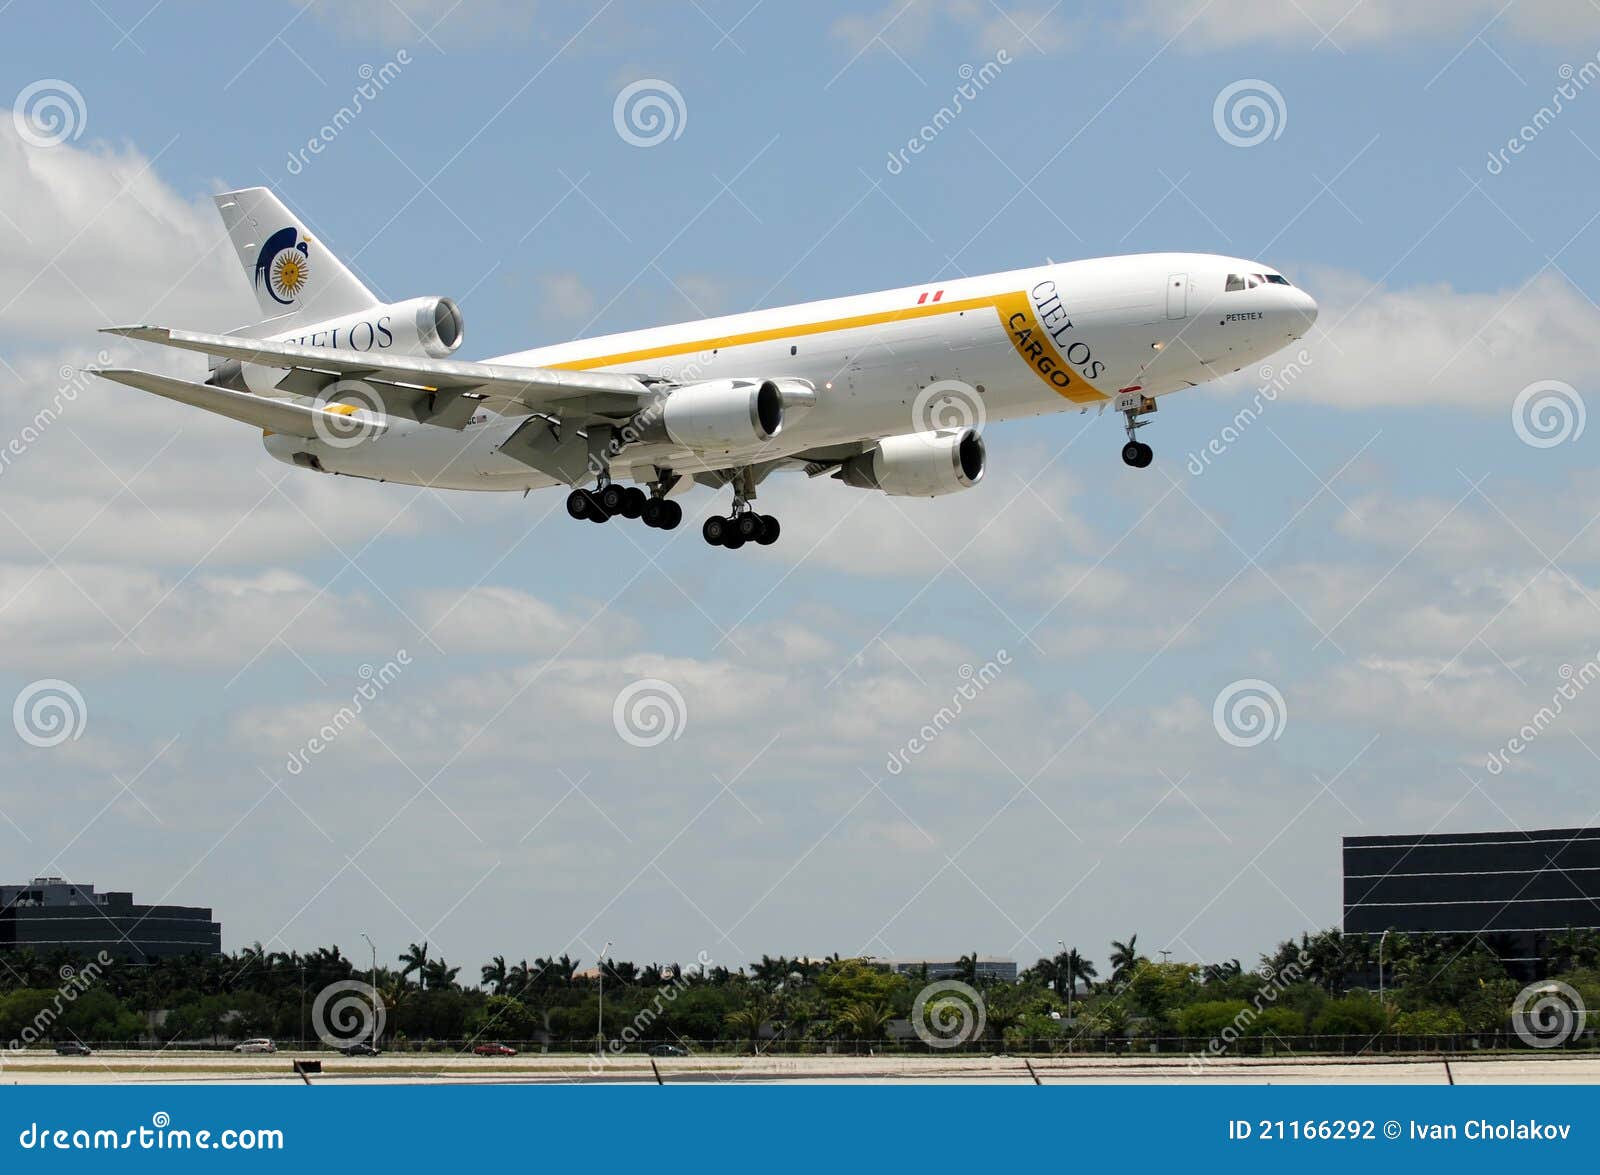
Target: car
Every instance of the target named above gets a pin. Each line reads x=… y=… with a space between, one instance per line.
x=72 y=1048
x=668 y=1050
x=494 y=1049
x=360 y=1048
x=256 y=1044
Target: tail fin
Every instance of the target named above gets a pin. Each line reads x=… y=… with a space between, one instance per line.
x=295 y=279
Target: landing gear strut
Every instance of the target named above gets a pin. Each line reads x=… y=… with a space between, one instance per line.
x=1132 y=405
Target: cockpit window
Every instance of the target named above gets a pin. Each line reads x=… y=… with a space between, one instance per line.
x=1249 y=281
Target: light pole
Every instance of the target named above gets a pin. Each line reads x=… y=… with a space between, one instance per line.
x=600 y=1016
x=1381 y=937
x=374 y=988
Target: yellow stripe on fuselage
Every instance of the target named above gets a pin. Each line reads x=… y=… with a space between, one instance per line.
x=1035 y=348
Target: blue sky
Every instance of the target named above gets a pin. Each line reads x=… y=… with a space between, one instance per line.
x=1378 y=543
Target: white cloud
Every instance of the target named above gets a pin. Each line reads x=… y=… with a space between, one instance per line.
x=1435 y=346
x=1213 y=24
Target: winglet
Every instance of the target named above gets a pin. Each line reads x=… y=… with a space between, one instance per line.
x=150 y=334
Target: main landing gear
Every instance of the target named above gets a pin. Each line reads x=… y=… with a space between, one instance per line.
x=612 y=500
x=744 y=525
x=1136 y=453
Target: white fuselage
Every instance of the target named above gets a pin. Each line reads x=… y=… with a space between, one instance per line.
x=1060 y=337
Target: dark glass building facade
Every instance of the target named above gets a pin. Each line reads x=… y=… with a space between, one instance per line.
x=49 y=914
x=1519 y=890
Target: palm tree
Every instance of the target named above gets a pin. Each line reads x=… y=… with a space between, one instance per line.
x=1071 y=967
x=747 y=1022
x=864 y=1021
x=415 y=958
x=495 y=975
x=439 y=975
x=1124 y=956
x=968 y=969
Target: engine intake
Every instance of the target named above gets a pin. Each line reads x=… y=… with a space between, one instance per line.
x=919 y=464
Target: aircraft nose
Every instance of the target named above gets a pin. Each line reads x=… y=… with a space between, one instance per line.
x=1305 y=308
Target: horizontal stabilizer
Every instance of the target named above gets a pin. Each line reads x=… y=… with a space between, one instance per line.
x=277 y=416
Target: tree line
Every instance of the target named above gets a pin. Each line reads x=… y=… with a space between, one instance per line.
x=1323 y=984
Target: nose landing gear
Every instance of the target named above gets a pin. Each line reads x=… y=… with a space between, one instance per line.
x=1133 y=405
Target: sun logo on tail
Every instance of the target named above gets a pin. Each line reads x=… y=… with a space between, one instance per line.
x=283 y=265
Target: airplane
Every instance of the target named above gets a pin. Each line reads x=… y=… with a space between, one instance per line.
x=886 y=392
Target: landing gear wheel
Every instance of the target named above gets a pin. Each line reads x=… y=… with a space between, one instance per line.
x=582 y=504
x=769 y=530
x=748 y=527
x=732 y=540
x=671 y=515
x=611 y=499
x=1137 y=454
x=716 y=531
x=654 y=513
x=633 y=500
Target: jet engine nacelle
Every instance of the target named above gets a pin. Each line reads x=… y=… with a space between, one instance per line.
x=418 y=328
x=919 y=464
x=720 y=413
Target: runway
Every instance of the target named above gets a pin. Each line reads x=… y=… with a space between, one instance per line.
x=138 y=1068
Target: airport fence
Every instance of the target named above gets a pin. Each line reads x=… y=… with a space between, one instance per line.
x=1272 y=1045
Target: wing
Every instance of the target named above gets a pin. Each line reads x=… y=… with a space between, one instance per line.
x=310 y=370
x=278 y=416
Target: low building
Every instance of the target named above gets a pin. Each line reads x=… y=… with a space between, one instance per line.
x=51 y=914
x=988 y=967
